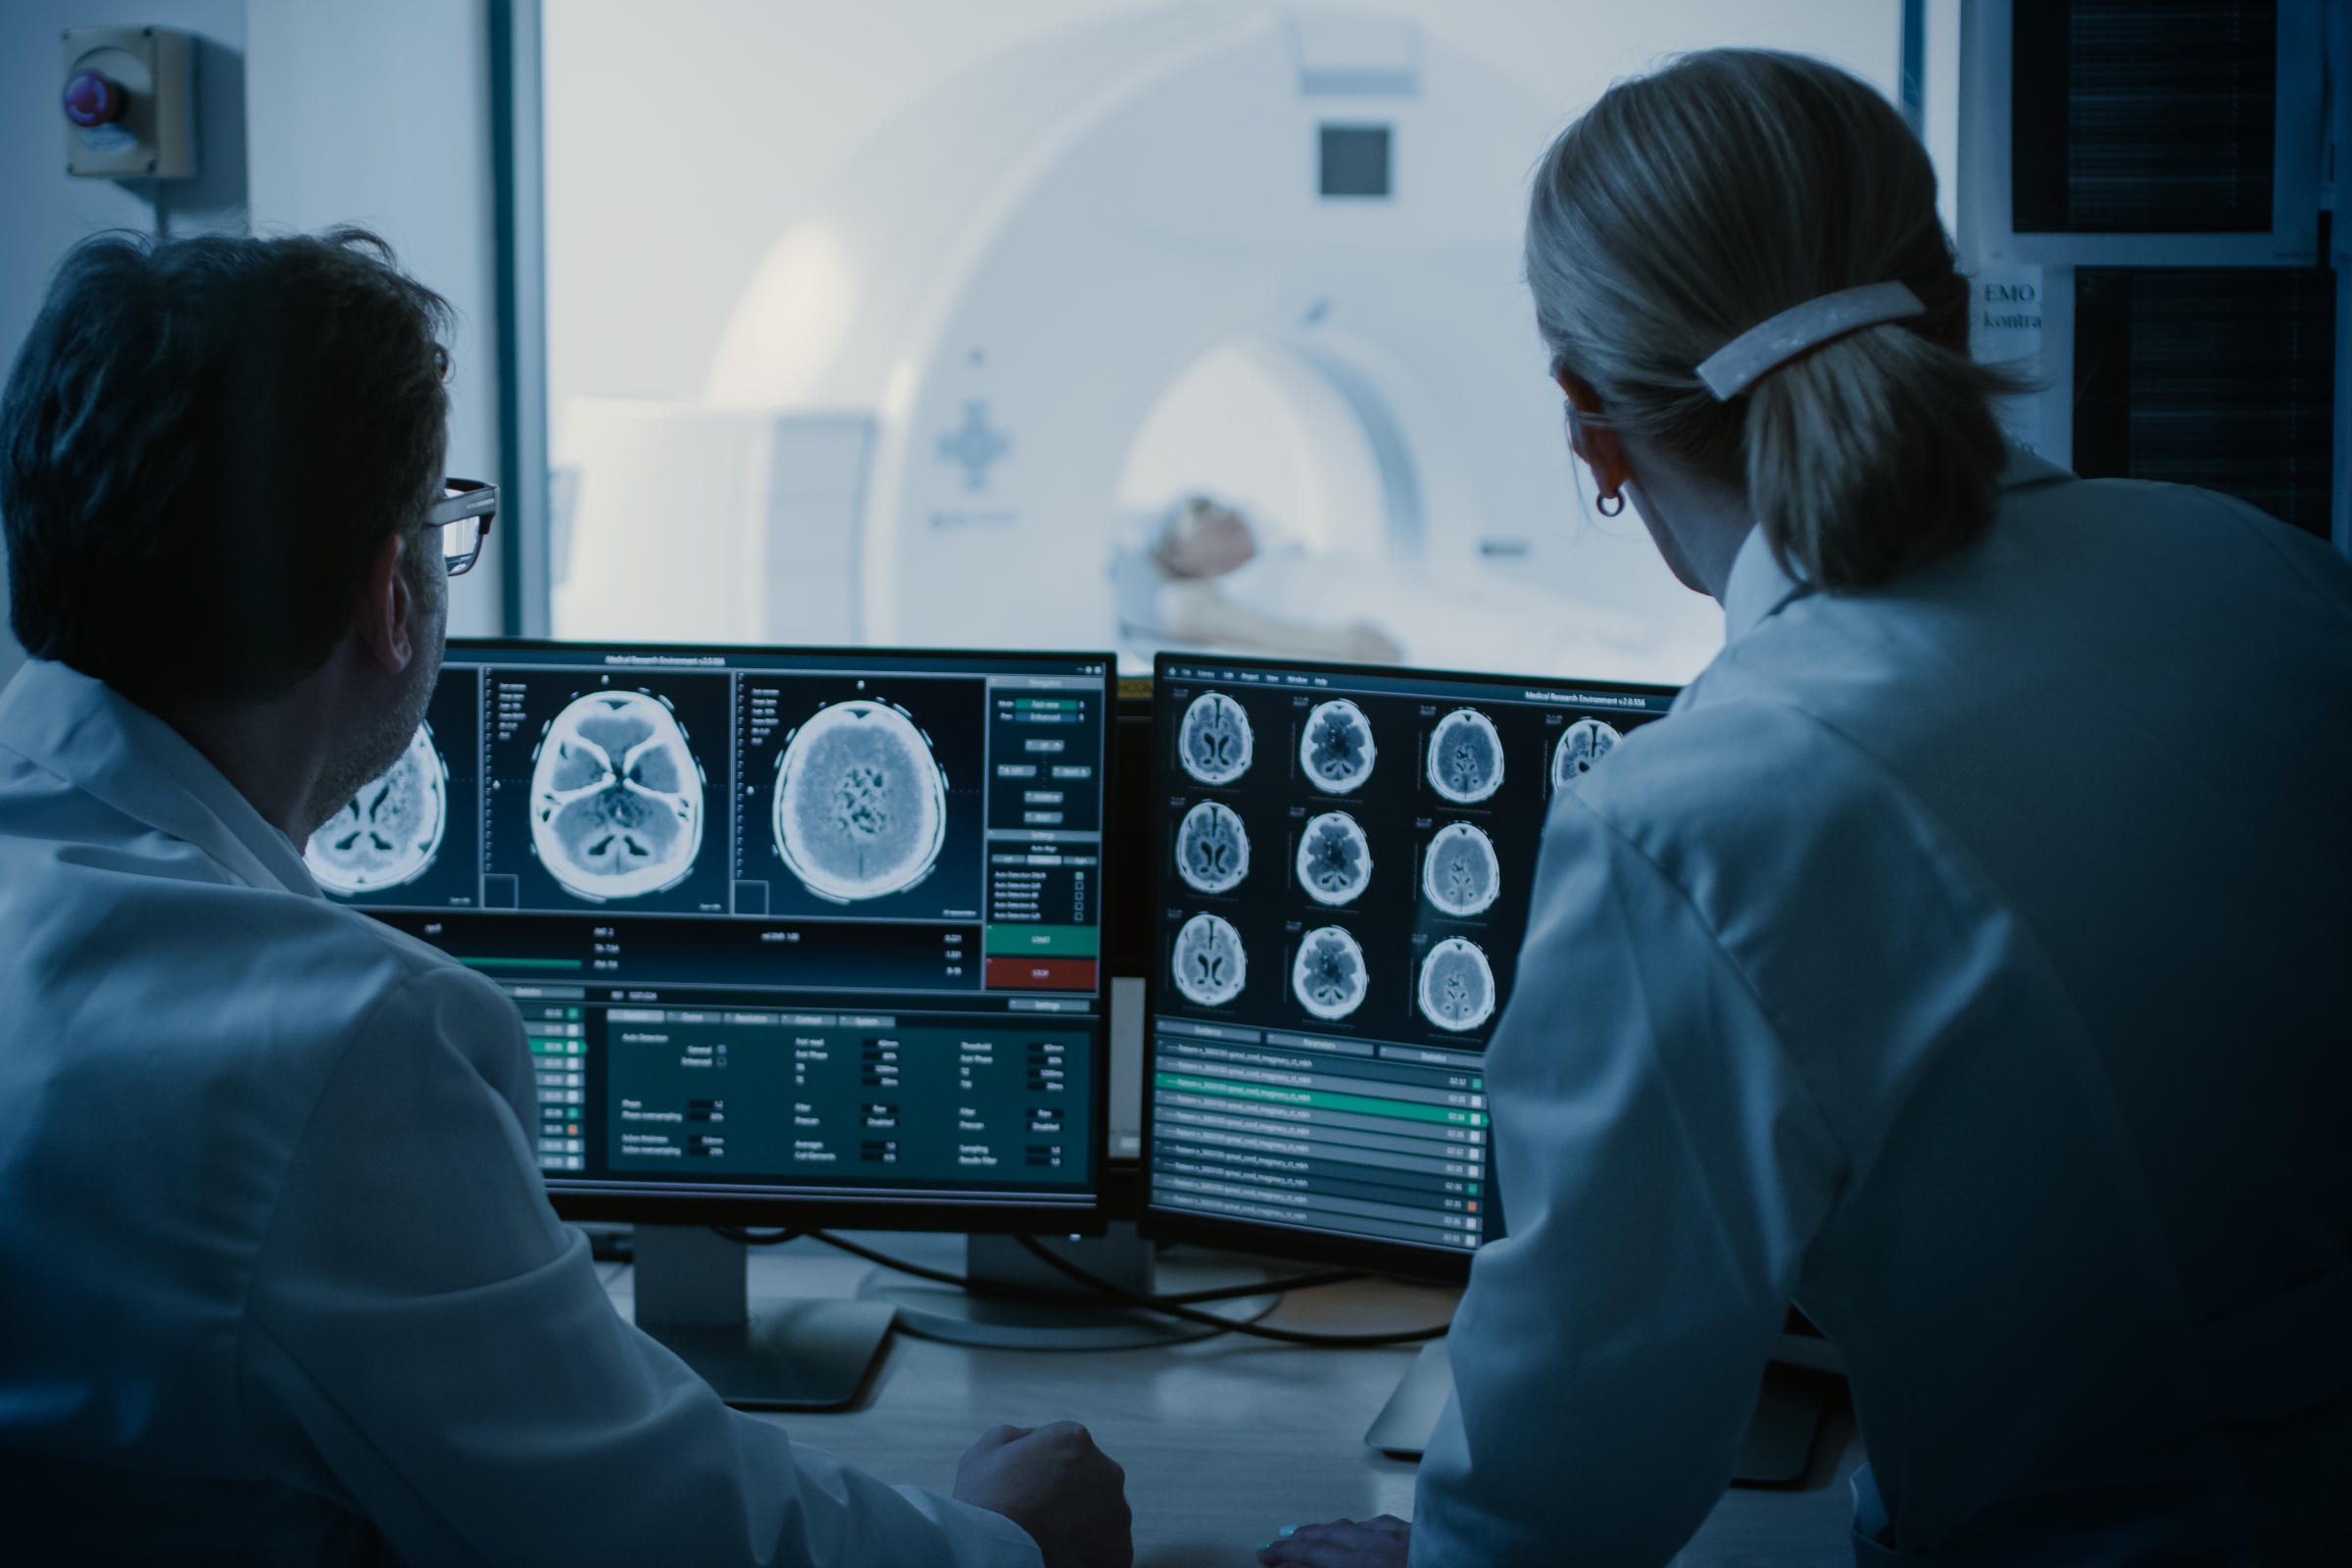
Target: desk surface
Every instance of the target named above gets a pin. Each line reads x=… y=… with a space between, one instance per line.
x=1224 y=1439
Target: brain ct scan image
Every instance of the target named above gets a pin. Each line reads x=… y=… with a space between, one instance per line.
x=1212 y=848
x=616 y=798
x=861 y=803
x=1457 y=987
x=1335 y=859
x=1461 y=874
x=1335 y=750
x=1587 y=742
x=1328 y=975
x=1465 y=757
x=391 y=830
x=1210 y=967
x=1214 y=742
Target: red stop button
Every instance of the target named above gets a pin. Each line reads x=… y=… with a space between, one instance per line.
x=92 y=100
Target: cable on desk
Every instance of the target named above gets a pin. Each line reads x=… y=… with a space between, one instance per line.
x=1228 y=1292
x=1002 y=1290
x=1120 y=1293
x=1172 y=1305
x=750 y=1238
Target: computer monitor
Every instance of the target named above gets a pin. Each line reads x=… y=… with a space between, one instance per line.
x=803 y=936
x=1344 y=856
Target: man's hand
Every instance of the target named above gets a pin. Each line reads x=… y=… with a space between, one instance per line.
x=1054 y=1483
x=1379 y=1543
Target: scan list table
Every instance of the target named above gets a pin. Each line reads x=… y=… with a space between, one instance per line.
x=1224 y=1439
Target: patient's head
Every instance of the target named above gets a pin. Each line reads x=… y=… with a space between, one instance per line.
x=204 y=444
x=1202 y=537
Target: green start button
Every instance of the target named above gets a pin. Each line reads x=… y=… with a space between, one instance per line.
x=1044 y=940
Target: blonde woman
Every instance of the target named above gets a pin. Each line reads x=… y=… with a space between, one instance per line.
x=1968 y=960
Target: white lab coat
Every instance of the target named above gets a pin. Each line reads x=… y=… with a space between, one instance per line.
x=278 y=1280
x=1968 y=960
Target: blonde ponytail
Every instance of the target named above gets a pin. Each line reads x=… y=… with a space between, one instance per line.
x=1690 y=206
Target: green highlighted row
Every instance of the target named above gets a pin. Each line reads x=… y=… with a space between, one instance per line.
x=1321 y=1099
x=520 y=963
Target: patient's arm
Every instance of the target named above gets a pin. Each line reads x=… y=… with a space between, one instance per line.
x=1196 y=611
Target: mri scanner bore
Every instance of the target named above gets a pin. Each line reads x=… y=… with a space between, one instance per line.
x=1336 y=752
x=1335 y=859
x=1460 y=875
x=1586 y=743
x=1215 y=742
x=1458 y=984
x=390 y=833
x=1209 y=965
x=1212 y=848
x=860 y=802
x=946 y=421
x=1328 y=976
x=616 y=798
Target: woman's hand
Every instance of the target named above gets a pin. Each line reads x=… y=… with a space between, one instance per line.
x=1379 y=1542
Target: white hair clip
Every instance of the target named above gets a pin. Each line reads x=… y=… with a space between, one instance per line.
x=1735 y=368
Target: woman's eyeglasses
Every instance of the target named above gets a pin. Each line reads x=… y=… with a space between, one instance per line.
x=464 y=515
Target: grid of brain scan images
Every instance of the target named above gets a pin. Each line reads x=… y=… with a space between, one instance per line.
x=776 y=919
x=1344 y=862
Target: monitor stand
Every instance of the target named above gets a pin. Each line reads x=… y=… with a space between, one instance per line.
x=787 y=1355
x=1409 y=1419
x=1056 y=1313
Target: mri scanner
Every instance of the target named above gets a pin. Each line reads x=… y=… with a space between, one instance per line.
x=1266 y=254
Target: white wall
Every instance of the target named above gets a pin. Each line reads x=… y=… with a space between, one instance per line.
x=46 y=209
x=379 y=114
x=682 y=140
x=312 y=112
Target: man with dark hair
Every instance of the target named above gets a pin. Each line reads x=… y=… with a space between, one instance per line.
x=278 y=1280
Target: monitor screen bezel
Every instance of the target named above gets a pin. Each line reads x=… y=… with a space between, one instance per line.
x=1015 y=1214
x=1405 y=1260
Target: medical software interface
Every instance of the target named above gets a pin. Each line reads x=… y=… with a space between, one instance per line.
x=1344 y=867
x=779 y=923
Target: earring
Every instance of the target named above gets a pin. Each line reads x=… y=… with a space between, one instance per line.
x=1610 y=505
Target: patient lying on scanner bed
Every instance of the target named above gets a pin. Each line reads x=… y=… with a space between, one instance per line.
x=1204 y=581
x=1175 y=592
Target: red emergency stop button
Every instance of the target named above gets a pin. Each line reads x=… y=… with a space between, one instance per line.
x=1040 y=974
x=93 y=100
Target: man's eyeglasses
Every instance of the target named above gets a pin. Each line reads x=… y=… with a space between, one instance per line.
x=464 y=515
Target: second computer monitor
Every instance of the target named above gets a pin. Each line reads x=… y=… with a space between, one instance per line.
x=1343 y=864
